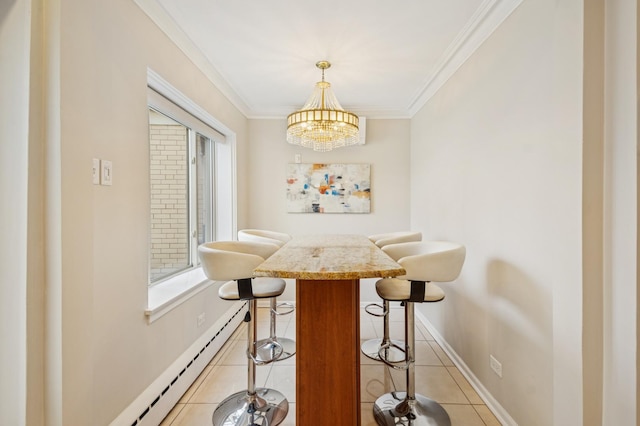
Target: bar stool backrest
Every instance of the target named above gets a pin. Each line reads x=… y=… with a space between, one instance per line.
x=382 y=240
x=439 y=261
x=264 y=236
x=233 y=260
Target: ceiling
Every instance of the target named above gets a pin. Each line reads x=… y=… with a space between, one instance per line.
x=388 y=57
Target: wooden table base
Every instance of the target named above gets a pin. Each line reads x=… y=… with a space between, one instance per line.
x=328 y=352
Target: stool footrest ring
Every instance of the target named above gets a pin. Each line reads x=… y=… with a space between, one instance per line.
x=288 y=308
x=272 y=353
x=370 y=349
x=398 y=365
x=288 y=346
x=377 y=306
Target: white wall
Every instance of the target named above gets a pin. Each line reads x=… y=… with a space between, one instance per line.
x=109 y=354
x=496 y=163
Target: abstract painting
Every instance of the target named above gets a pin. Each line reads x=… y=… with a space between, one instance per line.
x=328 y=188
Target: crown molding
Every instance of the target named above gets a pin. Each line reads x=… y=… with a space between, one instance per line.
x=482 y=24
x=489 y=16
x=161 y=18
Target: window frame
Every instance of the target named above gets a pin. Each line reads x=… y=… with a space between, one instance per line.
x=194 y=130
x=167 y=294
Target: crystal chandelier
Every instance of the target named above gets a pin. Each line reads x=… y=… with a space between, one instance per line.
x=322 y=124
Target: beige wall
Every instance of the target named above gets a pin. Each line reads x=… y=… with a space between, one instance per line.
x=496 y=163
x=540 y=184
x=100 y=351
x=109 y=354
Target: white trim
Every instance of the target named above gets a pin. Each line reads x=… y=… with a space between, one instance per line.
x=163 y=87
x=167 y=295
x=182 y=114
x=482 y=24
x=498 y=410
x=203 y=350
x=161 y=18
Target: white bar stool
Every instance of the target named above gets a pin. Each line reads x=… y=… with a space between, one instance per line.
x=424 y=262
x=276 y=309
x=371 y=347
x=234 y=261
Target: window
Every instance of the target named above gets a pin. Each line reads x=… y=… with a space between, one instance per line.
x=206 y=149
x=183 y=190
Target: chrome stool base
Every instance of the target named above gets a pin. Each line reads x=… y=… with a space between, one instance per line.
x=270 y=346
x=370 y=348
x=394 y=409
x=267 y=407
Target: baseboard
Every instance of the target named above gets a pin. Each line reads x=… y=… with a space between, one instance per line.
x=155 y=402
x=498 y=410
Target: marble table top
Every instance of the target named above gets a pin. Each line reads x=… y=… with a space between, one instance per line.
x=329 y=257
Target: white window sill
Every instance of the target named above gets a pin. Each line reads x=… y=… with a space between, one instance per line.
x=165 y=296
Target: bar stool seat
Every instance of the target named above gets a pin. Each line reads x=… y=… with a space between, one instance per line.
x=400 y=290
x=234 y=261
x=424 y=262
x=371 y=347
x=263 y=288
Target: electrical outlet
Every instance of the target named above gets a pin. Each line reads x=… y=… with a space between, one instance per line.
x=201 y=319
x=495 y=365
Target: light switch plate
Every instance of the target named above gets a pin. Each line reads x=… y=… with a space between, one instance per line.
x=96 y=171
x=106 y=175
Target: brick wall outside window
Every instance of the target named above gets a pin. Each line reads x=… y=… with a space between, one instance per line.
x=169 y=200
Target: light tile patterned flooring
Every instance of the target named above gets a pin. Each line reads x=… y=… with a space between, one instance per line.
x=436 y=376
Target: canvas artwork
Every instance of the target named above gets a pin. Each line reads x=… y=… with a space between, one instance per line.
x=328 y=188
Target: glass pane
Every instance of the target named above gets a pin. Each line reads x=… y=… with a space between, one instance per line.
x=169 y=148
x=204 y=171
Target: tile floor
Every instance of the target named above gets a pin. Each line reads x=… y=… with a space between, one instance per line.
x=436 y=376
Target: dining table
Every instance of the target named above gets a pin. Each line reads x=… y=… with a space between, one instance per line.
x=327 y=270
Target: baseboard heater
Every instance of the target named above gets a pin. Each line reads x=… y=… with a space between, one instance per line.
x=152 y=406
